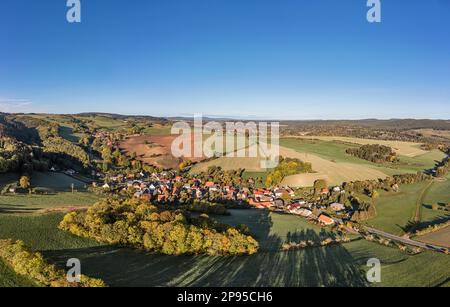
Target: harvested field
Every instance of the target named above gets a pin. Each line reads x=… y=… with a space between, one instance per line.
x=154 y=150
x=333 y=172
x=408 y=149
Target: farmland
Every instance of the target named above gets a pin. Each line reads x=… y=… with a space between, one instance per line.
x=330 y=162
x=408 y=149
x=59 y=194
x=396 y=209
x=335 y=151
x=154 y=150
x=333 y=172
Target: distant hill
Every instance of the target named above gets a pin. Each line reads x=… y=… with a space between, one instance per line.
x=121 y=117
x=378 y=123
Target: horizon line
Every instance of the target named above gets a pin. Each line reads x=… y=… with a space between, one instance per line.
x=226 y=117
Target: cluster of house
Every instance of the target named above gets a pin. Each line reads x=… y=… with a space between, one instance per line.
x=159 y=188
x=314 y=211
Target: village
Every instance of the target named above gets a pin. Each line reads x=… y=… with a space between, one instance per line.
x=167 y=188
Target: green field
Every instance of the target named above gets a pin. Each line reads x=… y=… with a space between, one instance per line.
x=31 y=203
x=104 y=121
x=40 y=232
x=439 y=193
x=60 y=194
x=340 y=265
x=396 y=209
x=163 y=130
x=56 y=181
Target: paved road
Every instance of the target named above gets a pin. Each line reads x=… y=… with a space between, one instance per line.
x=405 y=240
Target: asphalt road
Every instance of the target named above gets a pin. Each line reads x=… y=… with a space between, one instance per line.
x=405 y=240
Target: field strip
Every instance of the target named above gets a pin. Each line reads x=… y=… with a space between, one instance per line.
x=333 y=172
x=408 y=149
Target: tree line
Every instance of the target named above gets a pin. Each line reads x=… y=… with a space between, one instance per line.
x=136 y=223
x=33 y=266
x=287 y=167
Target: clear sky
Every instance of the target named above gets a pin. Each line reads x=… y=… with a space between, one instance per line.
x=287 y=59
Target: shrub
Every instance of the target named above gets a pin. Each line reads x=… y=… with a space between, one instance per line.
x=374 y=153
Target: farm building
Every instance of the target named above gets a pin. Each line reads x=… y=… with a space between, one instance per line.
x=337 y=207
x=325 y=220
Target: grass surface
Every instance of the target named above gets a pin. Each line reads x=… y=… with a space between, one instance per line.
x=160 y=130
x=438 y=193
x=104 y=121
x=40 y=232
x=441 y=237
x=56 y=181
x=396 y=210
x=31 y=203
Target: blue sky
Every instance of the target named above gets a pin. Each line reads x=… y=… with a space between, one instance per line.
x=286 y=59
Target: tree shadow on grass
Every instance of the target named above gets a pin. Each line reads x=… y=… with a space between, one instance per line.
x=417 y=226
x=13 y=209
x=324 y=266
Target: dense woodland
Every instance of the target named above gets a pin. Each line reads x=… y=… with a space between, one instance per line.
x=374 y=153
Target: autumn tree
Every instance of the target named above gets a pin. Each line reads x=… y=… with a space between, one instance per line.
x=375 y=195
x=319 y=185
x=24 y=182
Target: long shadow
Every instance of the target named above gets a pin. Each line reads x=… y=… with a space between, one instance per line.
x=324 y=266
x=423 y=225
x=12 y=209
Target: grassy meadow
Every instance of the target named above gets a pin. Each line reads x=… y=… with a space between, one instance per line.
x=395 y=210
x=60 y=194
